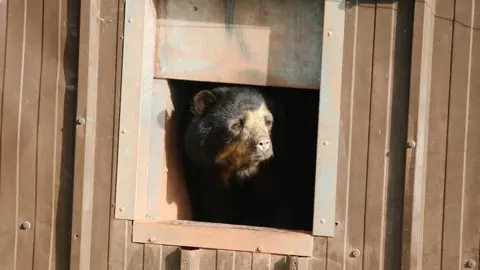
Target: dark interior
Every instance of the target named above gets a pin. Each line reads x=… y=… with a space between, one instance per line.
x=300 y=108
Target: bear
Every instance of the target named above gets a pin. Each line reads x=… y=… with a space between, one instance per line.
x=233 y=153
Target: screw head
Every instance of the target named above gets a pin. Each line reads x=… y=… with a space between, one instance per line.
x=322 y=221
x=329 y=33
x=411 y=144
x=124 y=131
x=81 y=120
x=324 y=143
x=356 y=253
x=471 y=263
x=25 y=225
x=121 y=209
x=259 y=249
x=130 y=20
x=151 y=239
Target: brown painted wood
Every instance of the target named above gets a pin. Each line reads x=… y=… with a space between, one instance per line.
x=471 y=202
x=378 y=170
x=10 y=155
x=264 y=43
x=222 y=236
x=225 y=259
x=438 y=128
x=458 y=238
x=27 y=131
x=85 y=139
x=356 y=84
x=105 y=132
x=261 y=261
x=243 y=261
x=414 y=197
x=3 y=43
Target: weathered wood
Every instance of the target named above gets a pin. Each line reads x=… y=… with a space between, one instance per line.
x=243 y=261
x=438 y=129
x=378 y=169
x=85 y=136
x=135 y=111
x=261 y=261
x=329 y=120
x=15 y=189
x=220 y=236
x=225 y=259
x=355 y=113
x=417 y=135
x=460 y=240
x=263 y=43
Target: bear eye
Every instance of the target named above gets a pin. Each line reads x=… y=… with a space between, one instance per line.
x=268 y=122
x=236 y=126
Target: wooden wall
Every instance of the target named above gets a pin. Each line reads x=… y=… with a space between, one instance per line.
x=408 y=179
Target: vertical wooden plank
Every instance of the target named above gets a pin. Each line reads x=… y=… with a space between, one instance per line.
x=105 y=134
x=414 y=197
x=134 y=141
x=85 y=135
x=319 y=257
x=384 y=73
x=208 y=259
x=243 y=261
x=278 y=262
x=10 y=136
x=56 y=135
x=261 y=261
x=455 y=242
x=171 y=257
x=329 y=120
x=152 y=257
x=471 y=204
x=27 y=130
x=225 y=260
x=118 y=233
x=438 y=127
x=355 y=111
x=3 y=43
x=134 y=252
x=190 y=259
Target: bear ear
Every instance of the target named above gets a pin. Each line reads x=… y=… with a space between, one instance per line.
x=202 y=100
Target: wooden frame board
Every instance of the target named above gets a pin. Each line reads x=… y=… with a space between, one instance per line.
x=223 y=236
x=141 y=101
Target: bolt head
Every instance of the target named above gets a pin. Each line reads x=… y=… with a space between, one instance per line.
x=411 y=144
x=471 y=263
x=356 y=253
x=25 y=225
x=81 y=120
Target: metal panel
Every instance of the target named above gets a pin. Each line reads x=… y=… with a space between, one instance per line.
x=38 y=56
x=269 y=42
x=329 y=120
x=135 y=110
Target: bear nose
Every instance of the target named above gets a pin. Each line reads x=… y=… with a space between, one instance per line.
x=263 y=144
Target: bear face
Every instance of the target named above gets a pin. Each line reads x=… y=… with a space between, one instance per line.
x=231 y=128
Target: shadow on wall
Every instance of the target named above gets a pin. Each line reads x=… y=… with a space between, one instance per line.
x=63 y=226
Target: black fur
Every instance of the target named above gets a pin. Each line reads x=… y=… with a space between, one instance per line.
x=250 y=202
